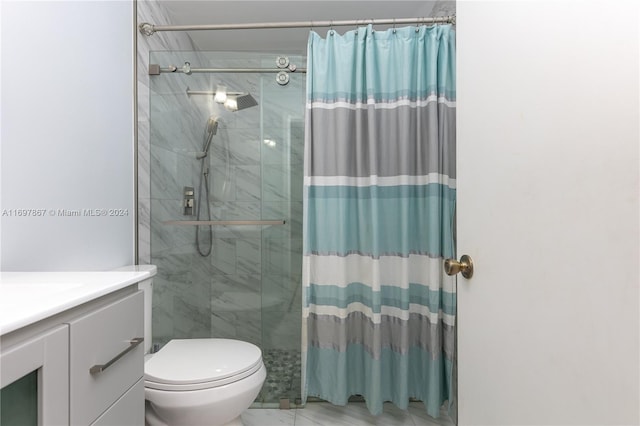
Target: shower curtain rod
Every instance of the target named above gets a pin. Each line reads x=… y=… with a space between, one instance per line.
x=149 y=29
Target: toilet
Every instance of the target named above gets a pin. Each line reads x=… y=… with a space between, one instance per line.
x=203 y=382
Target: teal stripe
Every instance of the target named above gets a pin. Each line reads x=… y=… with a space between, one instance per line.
x=375 y=221
x=334 y=376
x=385 y=65
x=382 y=192
x=341 y=297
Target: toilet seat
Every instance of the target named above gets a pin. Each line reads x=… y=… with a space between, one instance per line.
x=195 y=364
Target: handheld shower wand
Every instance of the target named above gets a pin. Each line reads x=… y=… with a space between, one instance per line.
x=210 y=130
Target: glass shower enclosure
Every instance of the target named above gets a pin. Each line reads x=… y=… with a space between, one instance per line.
x=248 y=286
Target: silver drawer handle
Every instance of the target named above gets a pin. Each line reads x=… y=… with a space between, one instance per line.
x=99 y=368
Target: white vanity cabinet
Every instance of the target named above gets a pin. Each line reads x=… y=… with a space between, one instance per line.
x=106 y=360
x=45 y=354
x=88 y=357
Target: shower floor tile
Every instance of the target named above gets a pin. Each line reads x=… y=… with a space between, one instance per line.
x=283 y=375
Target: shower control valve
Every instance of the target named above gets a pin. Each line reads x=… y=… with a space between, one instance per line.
x=189 y=200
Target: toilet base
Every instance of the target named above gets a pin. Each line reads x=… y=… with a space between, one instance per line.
x=218 y=406
x=150 y=419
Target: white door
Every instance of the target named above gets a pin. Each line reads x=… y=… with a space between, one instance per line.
x=548 y=162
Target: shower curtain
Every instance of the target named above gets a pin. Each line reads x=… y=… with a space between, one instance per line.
x=379 y=192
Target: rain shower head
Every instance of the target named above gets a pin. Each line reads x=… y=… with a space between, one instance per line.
x=246 y=101
x=240 y=102
x=233 y=101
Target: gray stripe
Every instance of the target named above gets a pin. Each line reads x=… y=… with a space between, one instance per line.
x=382 y=142
x=331 y=332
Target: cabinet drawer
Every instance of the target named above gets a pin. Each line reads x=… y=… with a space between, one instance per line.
x=127 y=411
x=97 y=339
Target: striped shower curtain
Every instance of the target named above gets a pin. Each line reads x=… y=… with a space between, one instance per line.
x=379 y=192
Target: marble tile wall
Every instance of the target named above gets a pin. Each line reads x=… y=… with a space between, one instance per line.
x=181 y=285
x=249 y=287
x=444 y=8
x=154 y=12
x=258 y=166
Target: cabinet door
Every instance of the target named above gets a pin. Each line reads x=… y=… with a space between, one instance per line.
x=98 y=338
x=47 y=355
x=127 y=410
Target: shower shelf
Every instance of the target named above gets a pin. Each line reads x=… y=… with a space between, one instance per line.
x=224 y=222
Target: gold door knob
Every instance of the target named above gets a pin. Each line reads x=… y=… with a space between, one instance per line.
x=465 y=266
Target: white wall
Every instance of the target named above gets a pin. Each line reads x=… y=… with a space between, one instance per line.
x=548 y=186
x=67 y=134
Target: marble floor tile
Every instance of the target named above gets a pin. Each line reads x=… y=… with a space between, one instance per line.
x=421 y=418
x=268 y=417
x=354 y=414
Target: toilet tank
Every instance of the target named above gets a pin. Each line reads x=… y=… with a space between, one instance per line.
x=147 y=287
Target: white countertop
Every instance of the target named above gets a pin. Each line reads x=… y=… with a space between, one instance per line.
x=28 y=297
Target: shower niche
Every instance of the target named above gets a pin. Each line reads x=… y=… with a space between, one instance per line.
x=248 y=286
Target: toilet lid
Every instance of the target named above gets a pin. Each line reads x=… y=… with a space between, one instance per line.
x=201 y=360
